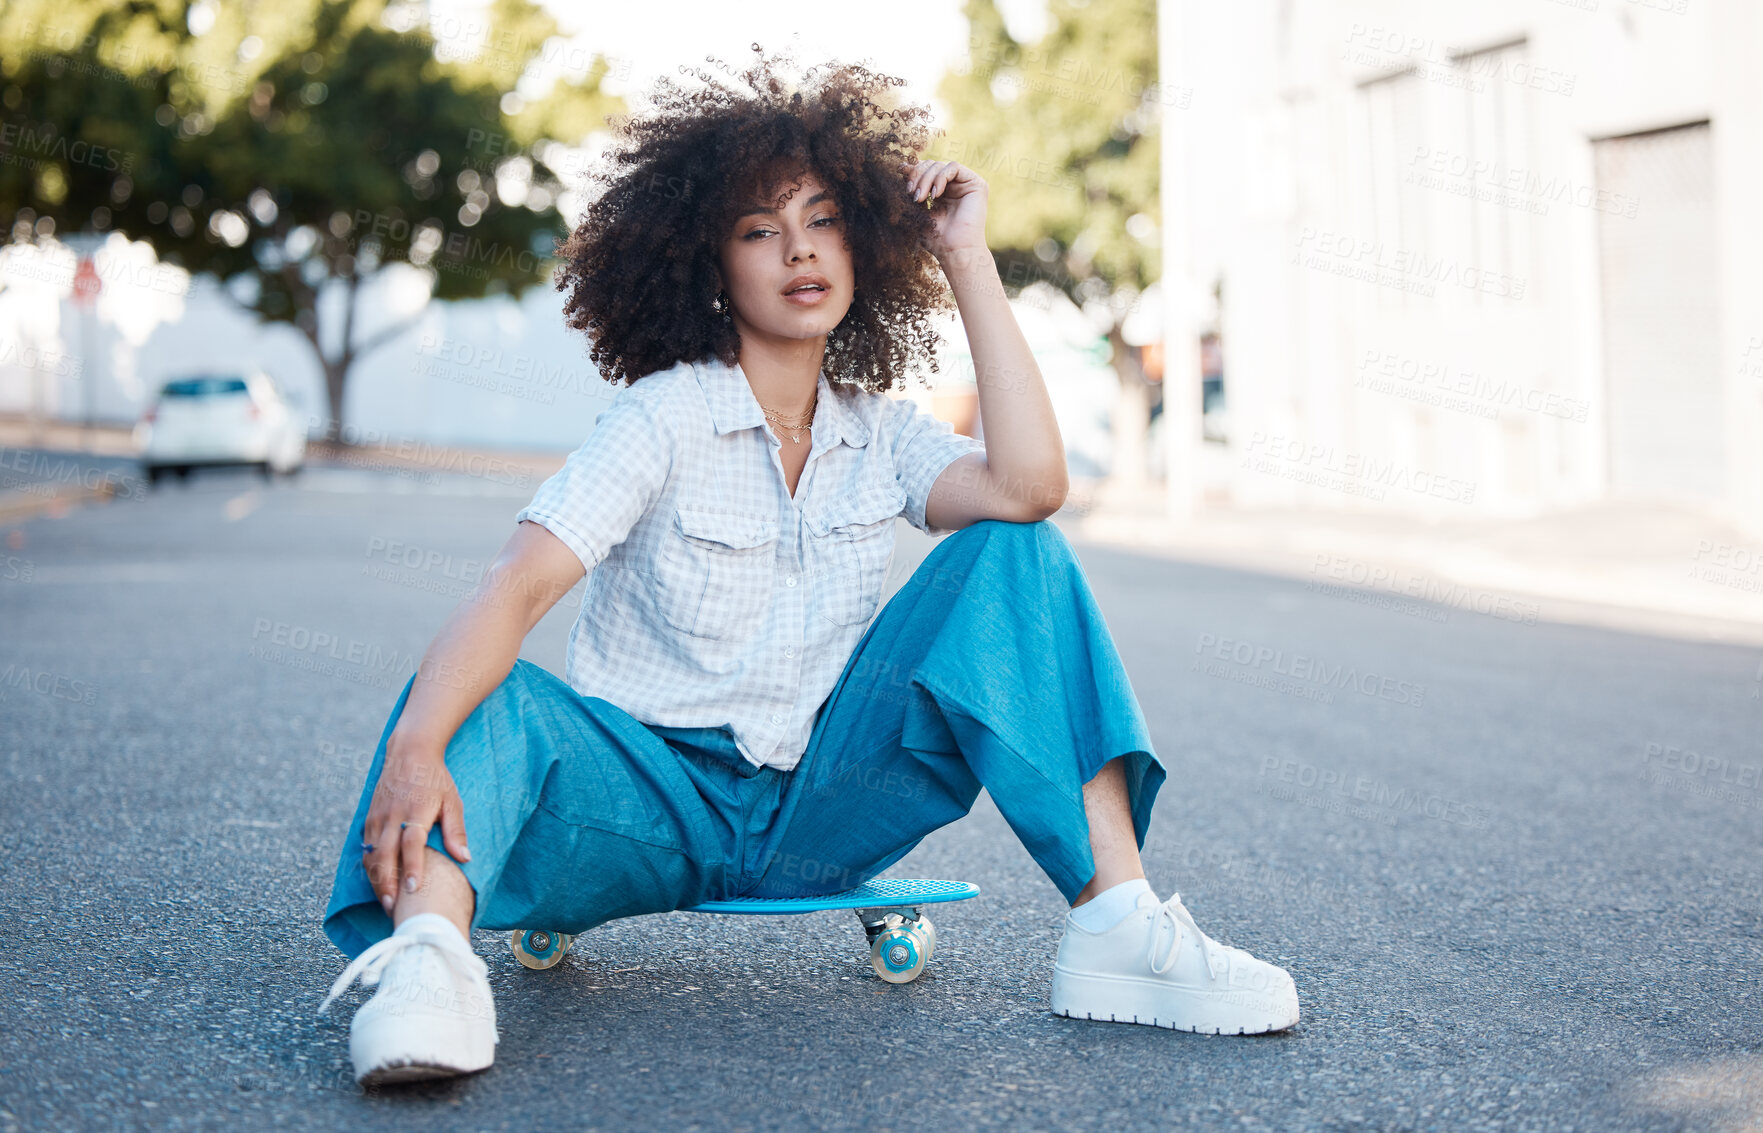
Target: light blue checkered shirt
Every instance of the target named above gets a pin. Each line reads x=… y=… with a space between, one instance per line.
x=713 y=597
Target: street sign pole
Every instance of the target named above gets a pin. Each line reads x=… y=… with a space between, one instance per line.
x=86 y=288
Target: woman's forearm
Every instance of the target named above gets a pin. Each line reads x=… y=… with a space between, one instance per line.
x=1023 y=445
x=471 y=654
x=480 y=641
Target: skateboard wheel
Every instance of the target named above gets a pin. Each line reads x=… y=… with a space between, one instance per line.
x=539 y=948
x=898 y=954
x=928 y=932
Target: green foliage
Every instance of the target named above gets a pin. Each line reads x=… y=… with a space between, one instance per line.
x=1065 y=132
x=280 y=146
x=80 y=83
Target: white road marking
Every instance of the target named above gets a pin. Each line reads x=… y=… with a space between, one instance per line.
x=242 y=505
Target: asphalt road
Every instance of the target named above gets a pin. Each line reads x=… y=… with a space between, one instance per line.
x=1500 y=863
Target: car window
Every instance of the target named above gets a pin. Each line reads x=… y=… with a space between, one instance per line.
x=203 y=387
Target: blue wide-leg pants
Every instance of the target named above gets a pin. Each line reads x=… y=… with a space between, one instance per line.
x=990 y=667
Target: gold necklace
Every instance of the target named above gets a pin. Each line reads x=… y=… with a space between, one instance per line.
x=794 y=426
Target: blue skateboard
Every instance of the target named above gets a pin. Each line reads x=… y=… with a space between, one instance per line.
x=901 y=937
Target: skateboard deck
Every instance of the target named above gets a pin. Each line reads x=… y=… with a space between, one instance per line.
x=878 y=892
x=901 y=938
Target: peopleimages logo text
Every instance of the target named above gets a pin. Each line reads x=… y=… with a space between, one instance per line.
x=1310 y=670
x=1286 y=778
x=1327 y=466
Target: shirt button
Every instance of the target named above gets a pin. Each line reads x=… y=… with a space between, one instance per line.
x=776 y=719
x=790 y=581
x=790 y=651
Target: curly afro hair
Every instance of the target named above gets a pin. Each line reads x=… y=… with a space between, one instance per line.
x=641 y=268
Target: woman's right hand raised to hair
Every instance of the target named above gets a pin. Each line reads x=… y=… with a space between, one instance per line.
x=414 y=792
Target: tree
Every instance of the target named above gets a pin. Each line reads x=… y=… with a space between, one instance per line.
x=306 y=149
x=81 y=84
x=1065 y=131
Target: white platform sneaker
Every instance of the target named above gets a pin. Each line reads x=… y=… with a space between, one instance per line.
x=433 y=1016
x=1156 y=967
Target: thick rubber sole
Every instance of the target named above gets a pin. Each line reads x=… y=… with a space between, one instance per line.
x=392 y=1049
x=411 y=1072
x=1124 y=999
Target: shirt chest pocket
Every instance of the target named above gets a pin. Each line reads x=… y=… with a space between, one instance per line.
x=714 y=572
x=853 y=540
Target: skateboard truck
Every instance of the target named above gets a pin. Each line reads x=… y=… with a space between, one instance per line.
x=876 y=919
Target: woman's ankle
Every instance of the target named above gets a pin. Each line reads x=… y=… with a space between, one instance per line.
x=444 y=891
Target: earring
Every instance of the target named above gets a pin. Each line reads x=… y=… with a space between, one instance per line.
x=720 y=305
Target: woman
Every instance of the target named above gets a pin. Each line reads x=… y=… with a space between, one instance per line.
x=762 y=265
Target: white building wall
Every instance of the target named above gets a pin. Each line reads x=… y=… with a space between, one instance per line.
x=1400 y=200
x=494 y=373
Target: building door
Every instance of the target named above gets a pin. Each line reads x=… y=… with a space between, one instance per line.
x=1661 y=344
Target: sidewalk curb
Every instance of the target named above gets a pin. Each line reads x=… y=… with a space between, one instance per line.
x=1565 y=593
x=18 y=505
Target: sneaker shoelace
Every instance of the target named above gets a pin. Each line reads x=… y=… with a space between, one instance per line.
x=1175 y=914
x=371 y=964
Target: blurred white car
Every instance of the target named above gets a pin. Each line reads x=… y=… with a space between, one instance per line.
x=220 y=419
